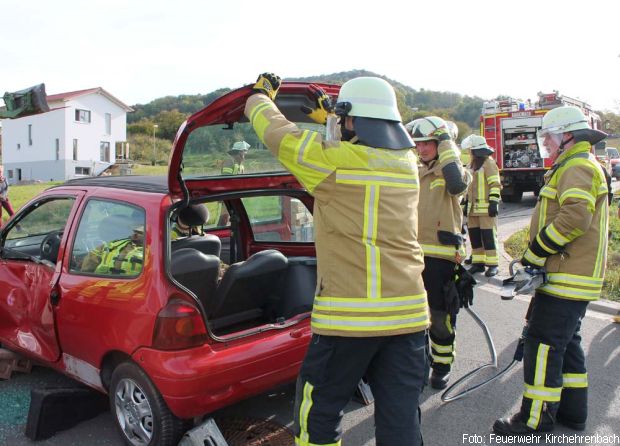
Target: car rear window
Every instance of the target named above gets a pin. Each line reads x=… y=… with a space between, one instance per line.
x=211 y=151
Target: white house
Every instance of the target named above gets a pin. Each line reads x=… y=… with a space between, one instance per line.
x=77 y=137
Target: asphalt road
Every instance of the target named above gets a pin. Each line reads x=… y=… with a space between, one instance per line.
x=466 y=421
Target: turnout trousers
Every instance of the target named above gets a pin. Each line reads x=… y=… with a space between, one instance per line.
x=395 y=368
x=483 y=236
x=437 y=274
x=554 y=366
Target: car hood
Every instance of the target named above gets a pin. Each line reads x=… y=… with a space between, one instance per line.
x=227 y=110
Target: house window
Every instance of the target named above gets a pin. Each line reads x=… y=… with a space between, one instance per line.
x=108 y=124
x=75 y=149
x=82 y=170
x=57 y=149
x=19 y=146
x=29 y=134
x=104 y=151
x=19 y=174
x=82 y=115
x=11 y=174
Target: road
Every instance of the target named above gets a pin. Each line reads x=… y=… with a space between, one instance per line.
x=442 y=423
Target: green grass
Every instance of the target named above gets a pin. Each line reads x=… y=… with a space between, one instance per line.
x=517 y=243
x=20 y=195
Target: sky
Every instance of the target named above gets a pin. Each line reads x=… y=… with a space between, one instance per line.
x=142 y=50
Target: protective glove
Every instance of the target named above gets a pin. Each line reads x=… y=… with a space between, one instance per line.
x=493 y=208
x=465 y=204
x=268 y=83
x=465 y=283
x=442 y=134
x=324 y=105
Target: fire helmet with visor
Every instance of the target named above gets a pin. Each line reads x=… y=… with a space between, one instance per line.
x=567 y=119
x=477 y=145
x=371 y=101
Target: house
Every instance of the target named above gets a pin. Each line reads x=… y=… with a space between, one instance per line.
x=83 y=134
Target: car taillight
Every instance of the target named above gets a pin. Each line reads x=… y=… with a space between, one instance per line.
x=179 y=325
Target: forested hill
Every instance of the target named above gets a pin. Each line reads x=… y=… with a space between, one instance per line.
x=413 y=103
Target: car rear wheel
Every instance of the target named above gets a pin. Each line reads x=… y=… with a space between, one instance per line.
x=141 y=414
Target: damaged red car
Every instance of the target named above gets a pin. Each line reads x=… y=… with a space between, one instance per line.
x=165 y=331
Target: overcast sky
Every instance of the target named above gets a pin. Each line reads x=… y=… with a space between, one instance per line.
x=141 y=50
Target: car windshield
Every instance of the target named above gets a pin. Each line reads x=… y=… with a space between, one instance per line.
x=220 y=150
x=613 y=153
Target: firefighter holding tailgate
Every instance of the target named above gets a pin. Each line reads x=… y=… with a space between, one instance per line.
x=568 y=239
x=443 y=180
x=482 y=205
x=370 y=313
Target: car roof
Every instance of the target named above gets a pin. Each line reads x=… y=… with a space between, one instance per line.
x=142 y=183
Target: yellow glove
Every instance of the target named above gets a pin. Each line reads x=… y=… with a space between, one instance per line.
x=268 y=83
x=324 y=105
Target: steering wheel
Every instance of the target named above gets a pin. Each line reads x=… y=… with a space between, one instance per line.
x=50 y=246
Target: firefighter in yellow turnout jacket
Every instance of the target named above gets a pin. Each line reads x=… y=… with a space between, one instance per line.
x=234 y=165
x=568 y=238
x=443 y=180
x=119 y=257
x=370 y=312
x=482 y=205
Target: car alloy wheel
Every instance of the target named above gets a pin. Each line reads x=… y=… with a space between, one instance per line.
x=142 y=416
x=133 y=412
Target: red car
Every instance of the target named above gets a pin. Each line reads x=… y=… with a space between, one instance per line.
x=157 y=329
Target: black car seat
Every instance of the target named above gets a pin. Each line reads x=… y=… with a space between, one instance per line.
x=196 y=271
x=245 y=288
x=207 y=244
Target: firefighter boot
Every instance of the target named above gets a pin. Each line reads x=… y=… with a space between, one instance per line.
x=517 y=424
x=573 y=410
x=491 y=271
x=439 y=378
x=476 y=268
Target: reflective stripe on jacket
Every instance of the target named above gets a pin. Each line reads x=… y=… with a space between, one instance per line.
x=365 y=214
x=440 y=216
x=120 y=257
x=485 y=187
x=570 y=224
x=231 y=167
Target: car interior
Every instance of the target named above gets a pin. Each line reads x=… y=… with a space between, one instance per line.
x=264 y=287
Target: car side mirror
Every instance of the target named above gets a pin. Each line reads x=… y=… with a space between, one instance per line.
x=30 y=101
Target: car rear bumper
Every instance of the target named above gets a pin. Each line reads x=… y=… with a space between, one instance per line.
x=197 y=381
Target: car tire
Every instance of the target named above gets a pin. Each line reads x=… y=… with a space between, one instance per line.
x=140 y=412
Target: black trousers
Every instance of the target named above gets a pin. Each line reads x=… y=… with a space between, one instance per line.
x=437 y=273
x=395 y=369
x=554 y=366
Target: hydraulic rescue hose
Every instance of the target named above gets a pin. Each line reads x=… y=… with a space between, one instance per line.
x=446 y=397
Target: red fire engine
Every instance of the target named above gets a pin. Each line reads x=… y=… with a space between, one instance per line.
x=510 y=126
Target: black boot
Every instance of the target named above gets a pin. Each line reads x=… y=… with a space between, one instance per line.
x=515 y=425
x=476 y=268
x=468 y=261
x=571 y=424
x=439 y=379
x=491 y=271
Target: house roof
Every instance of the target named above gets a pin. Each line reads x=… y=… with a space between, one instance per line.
x=75 y=94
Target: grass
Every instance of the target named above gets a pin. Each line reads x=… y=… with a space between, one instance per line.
x=20 y=195
x=517 y=243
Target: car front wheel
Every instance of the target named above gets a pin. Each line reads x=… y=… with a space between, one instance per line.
x=141 y=414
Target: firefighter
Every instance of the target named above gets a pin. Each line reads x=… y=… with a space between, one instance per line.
x=568 y=238
x=443 y=180
x=370 y=312
x=189 y=221
x=234 y=165
x=482 y=205
x=119 y=257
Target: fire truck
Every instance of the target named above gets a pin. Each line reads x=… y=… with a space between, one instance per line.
x=510 y=126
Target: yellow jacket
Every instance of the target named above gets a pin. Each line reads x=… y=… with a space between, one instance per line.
x=440 y=216
x=485 y=187
x=568 y=231
x=365 y=214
